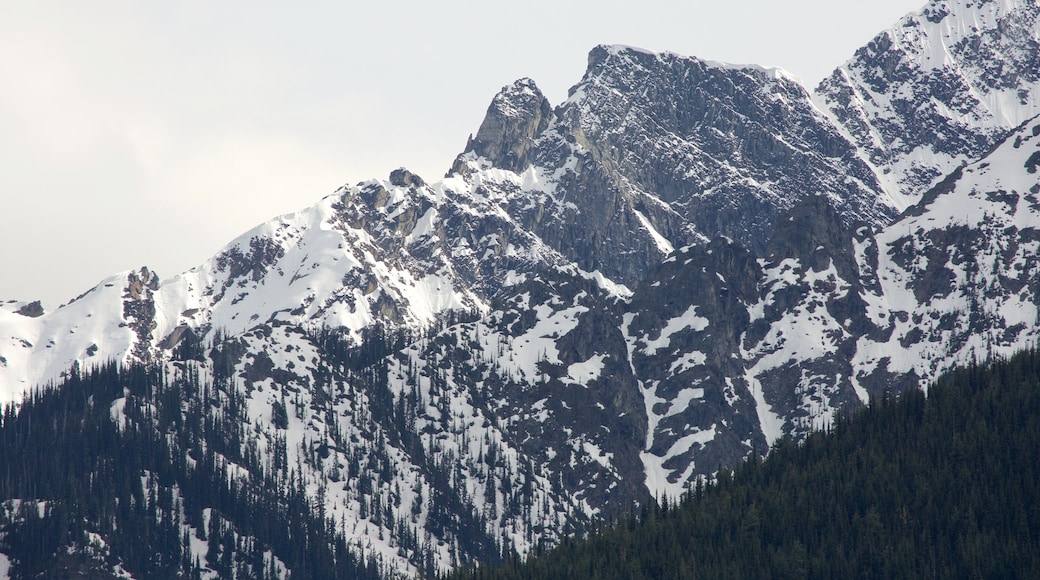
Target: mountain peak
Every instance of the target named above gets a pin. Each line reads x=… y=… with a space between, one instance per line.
x=938 y=89
x=603 y=53
x=401 y=177
x=698 y=136
x=30 y=309
x=516 y=116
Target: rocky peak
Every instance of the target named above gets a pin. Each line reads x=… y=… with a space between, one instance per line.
x=31 y=309
x=401 y=177
x=140 y=281
x=938 y=89
x=726 y=147
x=517 y=115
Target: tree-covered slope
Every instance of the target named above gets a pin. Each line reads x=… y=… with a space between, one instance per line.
x=128 y=473
x=941 y=487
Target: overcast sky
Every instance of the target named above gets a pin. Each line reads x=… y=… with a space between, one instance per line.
x=151 y=133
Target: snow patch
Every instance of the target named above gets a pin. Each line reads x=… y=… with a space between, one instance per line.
x=686 y=320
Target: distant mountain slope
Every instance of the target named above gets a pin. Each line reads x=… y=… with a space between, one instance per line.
x=734 y=351
x=911 y=487
x=938 y=89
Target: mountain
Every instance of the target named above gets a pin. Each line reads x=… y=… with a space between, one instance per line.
x=723 y=150
x=937 y=90
x=910 y=487
x=657 y=151
x=831 y=316
x=602 y=302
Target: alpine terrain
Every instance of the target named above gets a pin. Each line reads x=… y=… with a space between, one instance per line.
x=602 y=302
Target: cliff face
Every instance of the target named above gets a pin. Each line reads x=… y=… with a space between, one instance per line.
x=653 y=152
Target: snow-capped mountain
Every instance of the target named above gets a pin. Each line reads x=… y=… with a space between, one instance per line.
x=605 y=300
x=938 y=89
x=829 y=316
x=653 y=152
x=731 y=146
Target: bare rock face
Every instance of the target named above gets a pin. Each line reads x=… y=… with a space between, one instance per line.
x=724 y=148
x=139 y=309
x=517 y=115
x=653 y=152
x=401 y=177
x=33 y=309
x=814 y=232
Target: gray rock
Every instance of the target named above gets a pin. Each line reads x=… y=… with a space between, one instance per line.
x=515 y=118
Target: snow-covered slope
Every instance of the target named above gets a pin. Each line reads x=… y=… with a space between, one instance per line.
x=938 y=89
x=733 y=351
x=38 y=348
x=959 y=276
x=395 y=253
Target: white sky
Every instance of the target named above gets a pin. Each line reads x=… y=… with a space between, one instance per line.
x=151 y=133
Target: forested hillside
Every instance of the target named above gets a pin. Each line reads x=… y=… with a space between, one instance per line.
x=125 y=473
x=946 y=486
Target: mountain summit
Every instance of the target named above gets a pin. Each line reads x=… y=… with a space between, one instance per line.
x=517 y=115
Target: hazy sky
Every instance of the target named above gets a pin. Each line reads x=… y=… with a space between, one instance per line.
x=147 y=133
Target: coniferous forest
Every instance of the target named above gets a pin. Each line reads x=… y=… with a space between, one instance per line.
x=120 y=469
x=946 y=486
x=152 y=470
